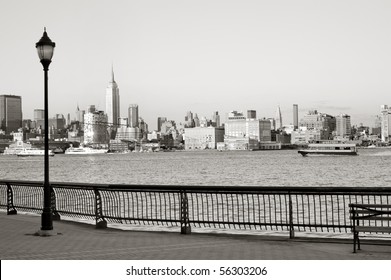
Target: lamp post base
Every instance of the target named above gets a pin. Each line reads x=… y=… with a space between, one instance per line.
x=45 y=233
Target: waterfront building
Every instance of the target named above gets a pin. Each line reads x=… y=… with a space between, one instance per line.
x=318 y=121
x=133 y=115
x=295 y=116
x=160 y=121
x=278 y=118
x=265 y=131
x=304 y=136
x=153 y=136
x=201 y=138
x=385 y=112
x=95 y=127
x=112 y=102
x=126 y=132
x=343 y=125
x=166 y=127
x=239 y=127
x=10 y=113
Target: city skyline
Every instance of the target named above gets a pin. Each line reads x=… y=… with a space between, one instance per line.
x=172 y=57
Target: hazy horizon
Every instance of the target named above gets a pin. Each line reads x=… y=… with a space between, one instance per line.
x=171 y=57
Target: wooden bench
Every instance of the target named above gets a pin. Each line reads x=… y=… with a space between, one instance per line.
x=369 y=218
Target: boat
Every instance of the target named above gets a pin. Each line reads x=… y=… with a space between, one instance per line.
x=16 y=147
x=329 y=149
x=28 y=152
x=85 y=151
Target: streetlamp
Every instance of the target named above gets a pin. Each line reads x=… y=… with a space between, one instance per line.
x=45 y=48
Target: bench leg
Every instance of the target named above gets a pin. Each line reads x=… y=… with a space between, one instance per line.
x=356 y=241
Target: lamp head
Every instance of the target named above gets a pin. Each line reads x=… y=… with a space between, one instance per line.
x=45 y=49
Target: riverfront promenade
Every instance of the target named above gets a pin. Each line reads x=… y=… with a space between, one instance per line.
x=76 y=241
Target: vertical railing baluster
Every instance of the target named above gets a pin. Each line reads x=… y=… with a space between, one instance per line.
x=11 y=210
x=55 y=215
x=185 y=225
x=100 y=221
x=291 y=228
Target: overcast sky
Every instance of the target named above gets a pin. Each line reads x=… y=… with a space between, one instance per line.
x=171 y=56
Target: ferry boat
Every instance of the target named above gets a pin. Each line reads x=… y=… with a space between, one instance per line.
x=85 y=151
x=329 y=149
x=33 y=152
x=16 y=147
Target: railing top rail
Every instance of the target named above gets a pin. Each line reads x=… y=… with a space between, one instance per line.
x=211 y=188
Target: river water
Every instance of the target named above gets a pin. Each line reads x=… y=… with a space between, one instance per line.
x=372 y=167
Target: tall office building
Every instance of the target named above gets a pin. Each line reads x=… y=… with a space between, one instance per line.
x=278 y=118
x=133 y=115
x=343 y=125
x=189 y=121
x=39 y=115
x=95 y=129
x=216 y=119
x=251 y=114
x=112 y=102
x=10 y=113
x=385 y=113
x=160 y=121
x=295 y=116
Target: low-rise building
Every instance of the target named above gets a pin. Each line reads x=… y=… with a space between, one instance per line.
x=200 y=138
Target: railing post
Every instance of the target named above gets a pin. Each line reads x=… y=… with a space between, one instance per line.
x=55 y=215
x=185 y=225
x=291 y=228
x=100 y=222
x=11 y=210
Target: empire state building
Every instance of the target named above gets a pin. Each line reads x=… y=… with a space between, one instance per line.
x=112 y=102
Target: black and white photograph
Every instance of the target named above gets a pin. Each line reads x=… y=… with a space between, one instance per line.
x=195 y=139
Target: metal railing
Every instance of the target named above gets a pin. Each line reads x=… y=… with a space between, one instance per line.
x=255 y=208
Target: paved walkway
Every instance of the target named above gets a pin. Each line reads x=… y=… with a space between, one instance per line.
x=82 y=241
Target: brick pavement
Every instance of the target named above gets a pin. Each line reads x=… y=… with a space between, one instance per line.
x=76 y=241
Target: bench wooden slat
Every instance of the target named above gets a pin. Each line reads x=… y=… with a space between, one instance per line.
x=372 y=229
x=370 y=205
x=375 y=218
x=366 y=211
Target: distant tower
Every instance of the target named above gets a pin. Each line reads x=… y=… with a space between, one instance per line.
x=343 y=126
x=160 y=121
x=295 y=116
x=216 y=119
x=251 y=114
x=10 y=113
x=133 y=115
x=112 y=102
x=278 y=118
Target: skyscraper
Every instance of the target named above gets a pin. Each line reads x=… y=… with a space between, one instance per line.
x=343 y=125
x=133 y=115
x=94 y=131
x=278 y=118
x=10 y=113
x=295 y=116
x=385 y=123
x=160 y=121
x=112 y=102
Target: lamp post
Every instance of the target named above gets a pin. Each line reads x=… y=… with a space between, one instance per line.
x=45 y=48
